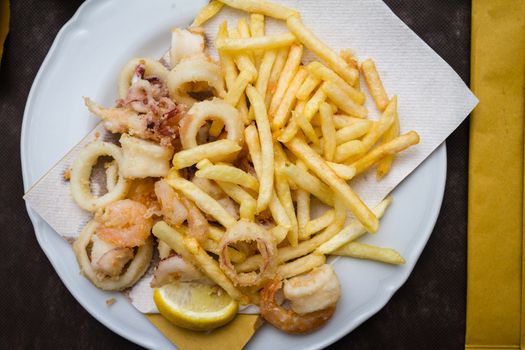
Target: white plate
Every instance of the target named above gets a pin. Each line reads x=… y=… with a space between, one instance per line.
x=84 y=61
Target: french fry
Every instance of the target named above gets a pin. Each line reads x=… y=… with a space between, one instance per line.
x=301 y=265
x=243 y=28
x=213 y=247
x=381 y=126
x=207 y=12
x=348 y=150
x=353 y=131
x=385 y=164
x=303 y=207
x=202 y=200
x=342 y=121
x=345 y=172
x=311 y=107
x=230 y=74
x=303 y=212
x=244 y=32
x=237 y=89
x=263 y=7
x=228 y=173
x=283 y=192
x=280 y=61
x=242 y=59
x=251 y=138
x=288 y=253
x=326 y=74
x=342 y=100
x=211 y=268
x=265 y=70
x=174 y=238
x=257 y=30
x=309 y=85
x=243 y=109
x=227 y=63
x=246 y=202
x=317 y=165
x=213 y=150
x=328 y=130
x=397 y=145
x=283 y=111
x=309 y=183
x=267 y=42
x=348 y=56
x=279 y=213
x=352 y=231
x=374 y=84
x=288 y=72
x=323 y=221
x=364 y=251
x=279 y=233
x=215 y=233
x=267 y=152
x=305 y=36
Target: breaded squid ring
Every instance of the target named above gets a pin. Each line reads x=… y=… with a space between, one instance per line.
x=215 y=109
x=152 y=67
x=245 y=231
x=195 y=70
x=136 y=268
x=81 y=172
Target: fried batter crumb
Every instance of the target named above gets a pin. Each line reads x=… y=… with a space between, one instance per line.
x=111 y=301
x=67 y=174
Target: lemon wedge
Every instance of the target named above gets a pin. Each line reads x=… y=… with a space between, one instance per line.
x=195 y=306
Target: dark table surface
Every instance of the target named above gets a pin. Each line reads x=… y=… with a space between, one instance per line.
x=38 y=312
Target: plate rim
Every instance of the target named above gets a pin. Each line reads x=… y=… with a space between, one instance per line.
x=37 y=221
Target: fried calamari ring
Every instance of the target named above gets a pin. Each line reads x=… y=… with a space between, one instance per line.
x=288 y=320
x=197 y=75
x=215 y=109
x=151 y=66
x=245 y=231
x=81 y=172
x=136 y=268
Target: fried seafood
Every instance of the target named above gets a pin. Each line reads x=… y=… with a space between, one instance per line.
x=98 y=273
x=288 y=320
x=107 y=258
x=124 y=223
x=244 y=231
x=175 y=268
x=195 y=79
x=172 y=209
x=313 y=291
x=203 y=111
x=81 y=174
x=186 y=43
x=149 y=126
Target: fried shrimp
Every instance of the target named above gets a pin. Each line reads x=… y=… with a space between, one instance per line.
x=288 y=320
x=124 y=224
x=314 y=290
x=172 y=208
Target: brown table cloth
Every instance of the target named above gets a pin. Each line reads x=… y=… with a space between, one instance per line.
x=38 y=312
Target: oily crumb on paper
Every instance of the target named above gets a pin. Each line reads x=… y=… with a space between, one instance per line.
x=67 y=174
x=111 y=301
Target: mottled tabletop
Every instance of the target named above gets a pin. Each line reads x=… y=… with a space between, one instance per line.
x=38 y=312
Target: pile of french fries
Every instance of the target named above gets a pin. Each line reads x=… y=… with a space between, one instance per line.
x=307 y=136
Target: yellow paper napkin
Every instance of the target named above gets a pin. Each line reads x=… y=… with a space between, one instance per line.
x=4 y=23
x=233 y=336
x=495 y=211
